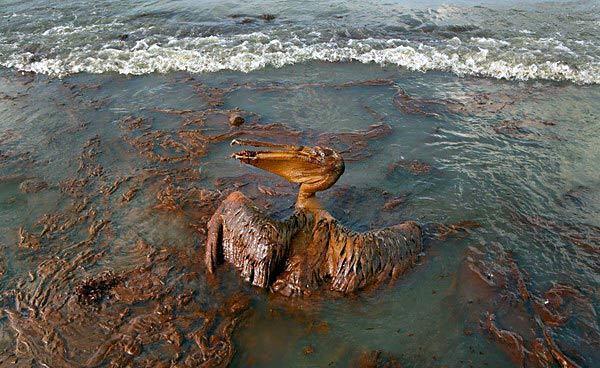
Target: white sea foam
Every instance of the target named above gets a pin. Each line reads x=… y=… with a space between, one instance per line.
x=490 y=42
x=258 y=50
x=69 y=29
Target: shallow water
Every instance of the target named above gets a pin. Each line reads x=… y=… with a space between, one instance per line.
x=518 y=157
x=478 y=172
x=501 y=39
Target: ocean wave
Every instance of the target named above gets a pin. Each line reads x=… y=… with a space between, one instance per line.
x=64 y=30
x=481 y=57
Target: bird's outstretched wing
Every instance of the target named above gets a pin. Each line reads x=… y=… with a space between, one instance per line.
x=242 y=235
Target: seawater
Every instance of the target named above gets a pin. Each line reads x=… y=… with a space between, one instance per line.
x=528 y=40
x=509 y=125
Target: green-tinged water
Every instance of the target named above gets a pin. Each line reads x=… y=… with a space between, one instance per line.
x=479 y=120
x=520 y=158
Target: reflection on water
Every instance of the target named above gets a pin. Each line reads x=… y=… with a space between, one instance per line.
x=107 y=183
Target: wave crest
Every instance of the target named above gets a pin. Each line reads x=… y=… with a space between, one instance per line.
x=254 y=51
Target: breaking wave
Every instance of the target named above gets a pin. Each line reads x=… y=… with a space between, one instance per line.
x=486 y=57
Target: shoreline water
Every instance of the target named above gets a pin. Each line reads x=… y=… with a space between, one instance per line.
x=114 y=157
x=497 y=152
x=531 y=40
